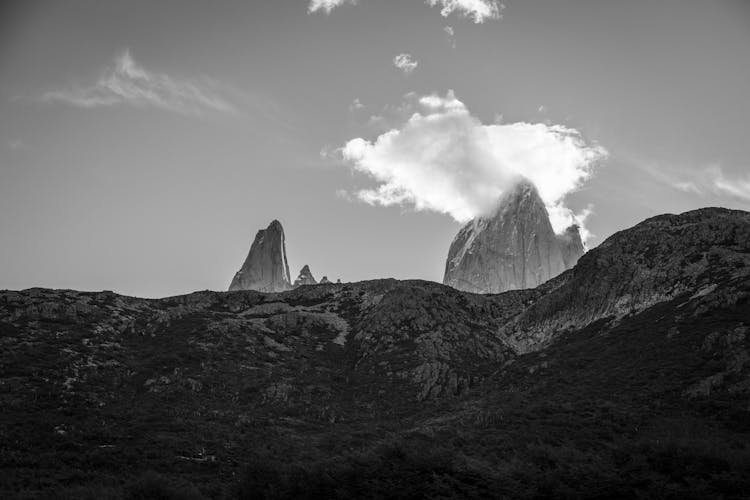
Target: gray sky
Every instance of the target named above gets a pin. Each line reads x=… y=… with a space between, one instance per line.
x=143 y=143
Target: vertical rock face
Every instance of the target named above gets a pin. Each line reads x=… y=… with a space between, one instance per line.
x=305 y=277
x=265 y=268
x=571 y=246
x=514 y=248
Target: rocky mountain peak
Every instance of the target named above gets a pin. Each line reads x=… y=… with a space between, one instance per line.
x=571 y=245
x=513 y=248
x=305 y=277
x=265 y=269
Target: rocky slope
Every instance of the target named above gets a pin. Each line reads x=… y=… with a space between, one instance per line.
x=265 y=269
x=704 y=252
x=514 y=248
x=627 y=376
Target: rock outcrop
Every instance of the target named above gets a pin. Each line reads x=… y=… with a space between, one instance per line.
x=514 y=248
x=324 y=280
x=305 y=277
x=571 y=246
x=265 y=268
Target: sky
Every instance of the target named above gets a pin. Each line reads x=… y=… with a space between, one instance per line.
x=143 y=143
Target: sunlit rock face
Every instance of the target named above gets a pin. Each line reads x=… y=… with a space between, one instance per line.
x=512 y=249
x=305 y=277
x=571 y=246
x=265 y=268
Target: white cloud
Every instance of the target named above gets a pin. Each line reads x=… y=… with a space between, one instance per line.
x=405 y=63
x=451 y=35
x=445 y=160
x=327 y=5
x=714 y=179
x=703 y=181
x=128 y=83
x=356 y=105
x=478 y=10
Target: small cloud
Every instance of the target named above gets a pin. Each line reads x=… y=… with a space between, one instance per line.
x=542 y=109
x=405 y=63
x=356 y=105
x=327 y=5
x=687 y=186
x=478 y=10
x=451 y=35
x=129 y=83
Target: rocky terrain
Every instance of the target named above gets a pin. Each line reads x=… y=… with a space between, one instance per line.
x=513 y=249
x=625 y=376
x=265 y=269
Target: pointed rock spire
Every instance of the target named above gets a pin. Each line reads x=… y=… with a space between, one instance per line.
x=513 y=248
x=305 y=277
x=571 y=245
x=265 y=269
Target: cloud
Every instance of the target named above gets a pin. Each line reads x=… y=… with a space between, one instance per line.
x=712 y=180
x=405 y=63
x=708 y=180
x=128 y=83
x=478 y=10
x=451 y=35
x=356 y=105
x=327 y=5
x=443 y=159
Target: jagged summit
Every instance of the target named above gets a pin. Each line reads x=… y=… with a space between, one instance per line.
x=265 y=269
x=511 y=249
x=571 y=245
x=305 y=277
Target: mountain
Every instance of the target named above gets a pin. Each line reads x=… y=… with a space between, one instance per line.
x=625 y=376
x=514 y=248
x=305 y=277
x=571 y=245
x=265 y=269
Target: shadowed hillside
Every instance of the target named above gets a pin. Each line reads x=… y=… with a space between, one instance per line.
x=627 y=375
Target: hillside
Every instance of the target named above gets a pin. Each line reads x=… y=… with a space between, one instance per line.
x=627 y=375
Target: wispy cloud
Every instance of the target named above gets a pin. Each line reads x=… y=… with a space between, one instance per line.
x=406 y=63
x=478 y=10
x=738 y=187
x=126 y=82
x=356 y=105
x=451 y=35
x=709 y=180
x=327 y=5
x=443 y=159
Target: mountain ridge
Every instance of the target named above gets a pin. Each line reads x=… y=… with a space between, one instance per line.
x=648 y=329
